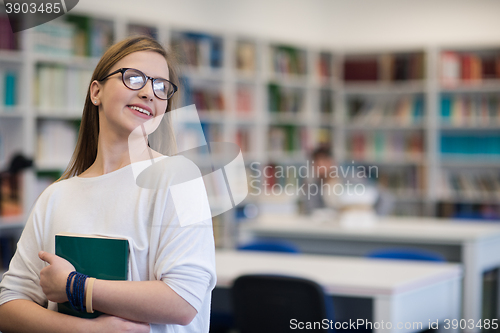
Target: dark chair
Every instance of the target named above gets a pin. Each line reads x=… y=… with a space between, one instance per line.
x=222 y=322
x=407 y=254
x=270 y=304
x=270 y=246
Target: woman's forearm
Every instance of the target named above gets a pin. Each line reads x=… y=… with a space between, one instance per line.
x=145 y=301
x=141 y=301
x=27 y=316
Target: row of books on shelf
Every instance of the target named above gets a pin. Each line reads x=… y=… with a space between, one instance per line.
x=379 y=145
x=284 y=139
x=475 y=211
x=207 y=99
x=287 y=60
x=281 y=138
x=61 y=90
x=470 y=185
x=325 y=101
x=409 y=181
x=287 y=138
x=386 y=67
x=276 y=174
x=8 y=40
x=213 y=132
x=322 y=136
x=198 y=49
x=244 y=138
x=56 y=142
x=285 y=99
x=458 y=67
x=402 y=111
x=244 y=99
x=470 y=110
x=324 y=66
x=9 y=80
x=74 y=36
x=484 y=145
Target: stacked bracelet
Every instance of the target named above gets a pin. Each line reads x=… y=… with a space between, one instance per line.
x=77 y=293
x=69 y=294
x=88 y=296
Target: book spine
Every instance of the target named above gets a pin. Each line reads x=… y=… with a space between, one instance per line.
x=470 y=110
x=244 y=100
x=246 y=57
x=10 y=88
x=288 y=61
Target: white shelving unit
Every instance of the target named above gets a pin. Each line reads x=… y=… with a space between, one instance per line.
x=474 y=81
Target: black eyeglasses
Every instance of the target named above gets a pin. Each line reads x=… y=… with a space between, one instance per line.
x=135 y=79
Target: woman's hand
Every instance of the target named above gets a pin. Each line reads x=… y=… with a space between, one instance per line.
x=53 y=277
x=105 y=323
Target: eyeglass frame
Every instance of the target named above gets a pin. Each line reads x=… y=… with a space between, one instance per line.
x=123 y=70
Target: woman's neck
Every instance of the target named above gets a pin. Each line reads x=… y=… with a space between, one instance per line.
x=113 y=154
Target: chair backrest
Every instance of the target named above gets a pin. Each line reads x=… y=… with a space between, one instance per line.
x=271 y=303
x=407 y=254
x=270 y=246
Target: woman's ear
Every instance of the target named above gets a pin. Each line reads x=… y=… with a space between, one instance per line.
x=95 y=90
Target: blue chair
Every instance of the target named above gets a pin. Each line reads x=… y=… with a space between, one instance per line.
x=268 y=303
x=406 y=254
x=270 y=246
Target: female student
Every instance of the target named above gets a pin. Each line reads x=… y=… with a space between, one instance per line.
x=171 y=264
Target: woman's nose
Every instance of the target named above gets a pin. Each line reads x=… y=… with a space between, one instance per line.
x=147 y=91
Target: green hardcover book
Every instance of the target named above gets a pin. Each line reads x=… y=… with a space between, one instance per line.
x=100 y=257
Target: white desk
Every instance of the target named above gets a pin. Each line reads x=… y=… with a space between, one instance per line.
x=402 y=292
x=476 y=245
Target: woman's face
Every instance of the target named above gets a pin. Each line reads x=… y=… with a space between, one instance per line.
x=118 y=104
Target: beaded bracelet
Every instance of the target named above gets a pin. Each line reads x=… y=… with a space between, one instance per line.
x=76 y=296
x=68 y=289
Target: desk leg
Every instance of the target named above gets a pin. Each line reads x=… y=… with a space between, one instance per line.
x=498 y=294
x=473 y=285
x=420 y=309
x=383 y=310
x=455 y=308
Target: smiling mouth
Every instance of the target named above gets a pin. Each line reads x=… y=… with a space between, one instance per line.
x=141 y=110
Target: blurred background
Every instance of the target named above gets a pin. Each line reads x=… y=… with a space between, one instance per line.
x=411 y=88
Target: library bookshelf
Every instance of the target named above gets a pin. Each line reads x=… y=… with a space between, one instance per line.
x=427 y=117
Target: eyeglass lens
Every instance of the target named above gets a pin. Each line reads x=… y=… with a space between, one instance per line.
x=135 y=80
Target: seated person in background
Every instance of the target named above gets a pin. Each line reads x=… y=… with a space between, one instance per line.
x=331 y=187
x=322 y=162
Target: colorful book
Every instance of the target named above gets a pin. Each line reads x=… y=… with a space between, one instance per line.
x=97 y=256
x=10 y=88
x=361 y=70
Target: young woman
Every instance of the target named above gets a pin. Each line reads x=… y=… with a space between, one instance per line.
x=171 y=264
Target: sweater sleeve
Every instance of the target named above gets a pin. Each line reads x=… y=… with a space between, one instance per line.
x=185 y=259
x=22 y=280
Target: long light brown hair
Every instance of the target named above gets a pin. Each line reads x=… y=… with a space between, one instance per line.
x=86 y=147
